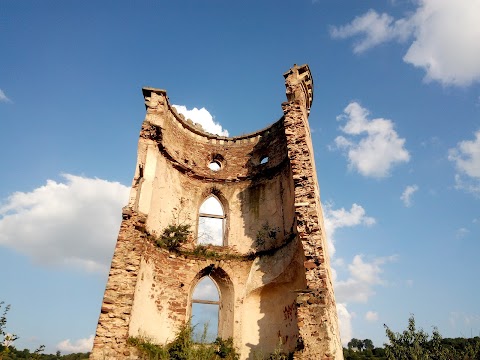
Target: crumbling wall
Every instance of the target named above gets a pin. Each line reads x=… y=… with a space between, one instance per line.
x=316 y=309
x=114 y=319
x=272 y=271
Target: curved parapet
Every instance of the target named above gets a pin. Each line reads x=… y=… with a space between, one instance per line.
x=193 y=150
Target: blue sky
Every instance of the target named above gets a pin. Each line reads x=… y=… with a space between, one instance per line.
x=396 y=131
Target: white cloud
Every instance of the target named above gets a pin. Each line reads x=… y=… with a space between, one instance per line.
x=444 y=38
x=364 y=276
x=206 y=290
x=466 y=156
x=408 y=194
x=202 y=117
x=447 y=51
x=366 y=272
x=379 y=147
x=335 y=219
x=3 y=97
x=338 y=262
x=376 y=29
x=344 y=323
x=73 y=223
x=78 y=346
x=371 y=316
x=467 y=184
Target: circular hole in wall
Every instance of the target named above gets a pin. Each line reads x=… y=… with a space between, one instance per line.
x=215 y=165
x=264 y=160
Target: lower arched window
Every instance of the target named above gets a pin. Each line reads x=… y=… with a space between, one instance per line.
x=205 y=311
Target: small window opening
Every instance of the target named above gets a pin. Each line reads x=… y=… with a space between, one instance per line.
x=215 y=165
x=211 y=222
x=264 y=160
x=205 y=311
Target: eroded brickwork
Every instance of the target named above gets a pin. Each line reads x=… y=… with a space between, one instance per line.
x=318 y=323
x=272 y=271
x=112 y=329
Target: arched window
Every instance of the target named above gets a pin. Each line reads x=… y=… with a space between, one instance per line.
x=211 y=222
x=205 y=310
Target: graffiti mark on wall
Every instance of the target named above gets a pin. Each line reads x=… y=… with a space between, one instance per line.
x=290 y=312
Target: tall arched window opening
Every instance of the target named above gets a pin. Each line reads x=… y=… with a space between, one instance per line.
x=205 y=311
x=211 y=222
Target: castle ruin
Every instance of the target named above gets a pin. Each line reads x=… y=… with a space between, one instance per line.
x=252 y=207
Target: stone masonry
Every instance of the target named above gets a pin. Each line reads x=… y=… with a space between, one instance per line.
x=271 y=268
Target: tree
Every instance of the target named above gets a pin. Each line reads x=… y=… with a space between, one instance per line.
x=360 y=345
x=6 y=338
x=413 y=344
x=355 y=344
x=368 y=344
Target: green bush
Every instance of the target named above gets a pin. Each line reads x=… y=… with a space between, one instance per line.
x=173 y=236
x=225 y=349
x=147 y=349
x=184 y=348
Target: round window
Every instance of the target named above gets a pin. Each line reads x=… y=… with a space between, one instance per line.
x=215 y=165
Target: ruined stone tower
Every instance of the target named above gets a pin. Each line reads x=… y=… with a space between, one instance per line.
x=256 y=231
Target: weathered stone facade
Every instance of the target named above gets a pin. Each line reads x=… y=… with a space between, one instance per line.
x=272 y=288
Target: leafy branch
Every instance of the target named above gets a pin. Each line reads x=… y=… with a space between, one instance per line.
x=174 y=236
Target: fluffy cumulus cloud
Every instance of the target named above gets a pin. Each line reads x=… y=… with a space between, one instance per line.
x=363 y=277
x=73 y=223
x=336 y=219
x=202 y=117
x=3 y=97
x=344 y=322
x=375 y=28
x=443 y=38
x=78 y=346
x=466 y=156
x=372 y=147
x=407 y=195
x=339 y=218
